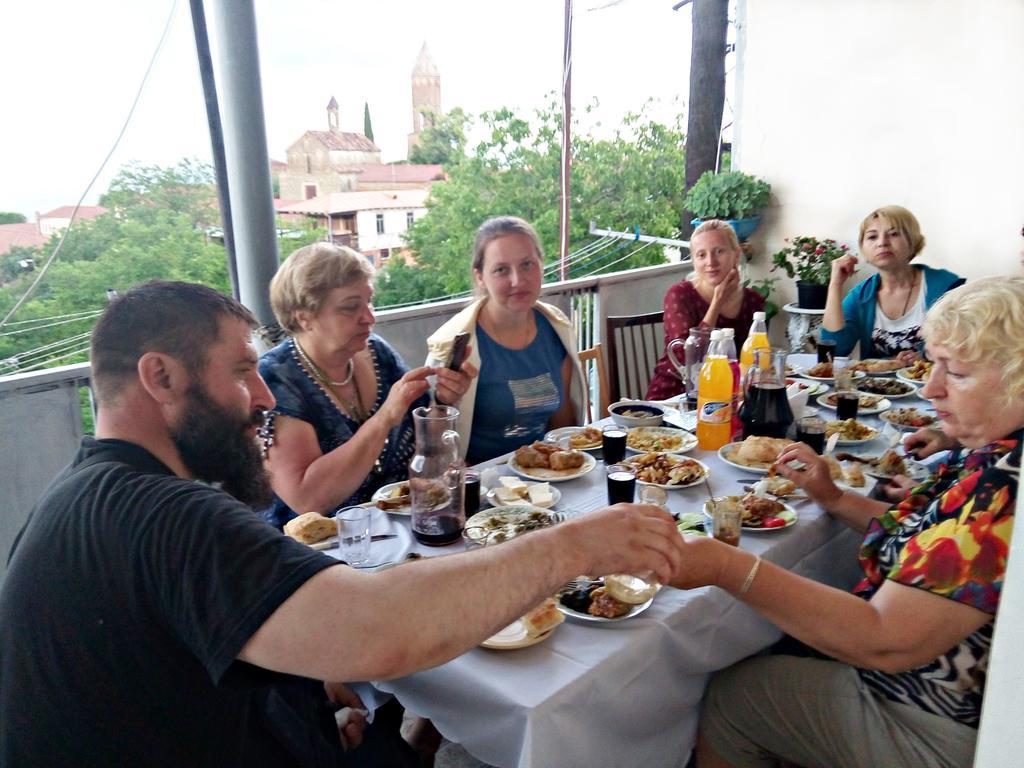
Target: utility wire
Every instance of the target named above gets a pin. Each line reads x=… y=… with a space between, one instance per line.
x=56 y=317
x=51 y=325
x=117 y=142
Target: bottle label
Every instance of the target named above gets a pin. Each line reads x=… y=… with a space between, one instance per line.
x=714 y=412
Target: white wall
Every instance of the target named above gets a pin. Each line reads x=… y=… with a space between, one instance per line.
x=847 y=105
x=395 y=225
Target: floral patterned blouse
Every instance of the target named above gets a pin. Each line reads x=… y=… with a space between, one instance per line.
x=685 y=309
x=951 y=537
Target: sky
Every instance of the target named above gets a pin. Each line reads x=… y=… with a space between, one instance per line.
x=72 y=70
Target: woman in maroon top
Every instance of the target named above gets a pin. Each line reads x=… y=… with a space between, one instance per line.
x=712 y=298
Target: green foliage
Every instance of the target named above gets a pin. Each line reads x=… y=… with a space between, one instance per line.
x=367 y=125
x=809 y=259
x=445 y=141
x=8 y=217
x=157 y=229
x=634 y=178
x=765 y=286
x=729 y=195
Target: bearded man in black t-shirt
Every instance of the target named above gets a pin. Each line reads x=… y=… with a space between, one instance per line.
x=149 y=619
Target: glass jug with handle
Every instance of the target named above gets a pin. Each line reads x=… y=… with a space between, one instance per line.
x=692 y=351
x=766 y=408
x=436 y=477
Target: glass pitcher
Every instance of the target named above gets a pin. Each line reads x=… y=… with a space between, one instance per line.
x=436 y=477
x=765 y=409
x=693 y=349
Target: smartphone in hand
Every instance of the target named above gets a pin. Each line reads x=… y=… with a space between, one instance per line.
x=458 y=350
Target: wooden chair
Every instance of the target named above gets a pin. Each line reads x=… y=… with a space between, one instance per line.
x=596 y=354
x=635 y=344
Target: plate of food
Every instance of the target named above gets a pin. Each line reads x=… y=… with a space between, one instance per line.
x=876 y=367
x=885 y=387
x=590 y=602
x=535 y=627
x=887 y=465
x=810 y=387
x=907 y=419
x=667 y=471
x=917 y=373
x=824 y=372
x=513 y=491
x=394 y=498
x=759 y=512
x=660 y=440
x=493 y=526
x=867 y=404
x=580 y=438
x=777 y=486
x=851 y=432
x=547 y=462
x=755 y=454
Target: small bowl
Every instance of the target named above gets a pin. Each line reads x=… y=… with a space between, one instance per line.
x=640 y=414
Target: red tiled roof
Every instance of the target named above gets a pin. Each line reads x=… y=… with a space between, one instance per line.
x=277 y=165
x=26 y=235
x=349 y=202
x=84 y=212
x=412 y=172
x=280 y=205
x=353 y=142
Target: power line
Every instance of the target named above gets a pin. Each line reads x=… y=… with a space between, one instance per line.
x=117 y=142
x=55 y=317
x=90 y=316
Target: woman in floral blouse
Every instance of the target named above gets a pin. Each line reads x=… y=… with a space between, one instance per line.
x=897 y=669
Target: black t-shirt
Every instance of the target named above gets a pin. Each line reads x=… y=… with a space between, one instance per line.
x=129 y=594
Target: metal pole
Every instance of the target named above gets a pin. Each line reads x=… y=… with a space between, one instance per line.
x=563 y=240
x=245 y=151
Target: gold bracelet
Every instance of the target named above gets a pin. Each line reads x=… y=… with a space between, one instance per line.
x=751 y=574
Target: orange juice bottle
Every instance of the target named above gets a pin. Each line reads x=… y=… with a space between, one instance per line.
x=757 y=338
x=714 y=397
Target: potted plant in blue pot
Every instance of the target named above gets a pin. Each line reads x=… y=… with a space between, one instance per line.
x=733 y=196
x=809 y=260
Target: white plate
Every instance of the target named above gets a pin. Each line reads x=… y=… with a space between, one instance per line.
x=557 y=434
x=888 y=417
x=915 y=471
x=676 y=486
x=514 y=636
x=476 y=533
x=634 y=611
x=901 y=374
x=882 y=405
x=727 y=448
x=830 y=379
x=910 y=393
x=553 y=475
x=860 y=441
x=382 y=493
x=688 y=441
x=889 y=372
x=787 y=513
x=810 y=387
x=492 y=498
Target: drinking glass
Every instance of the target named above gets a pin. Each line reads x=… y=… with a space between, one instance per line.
x=811 y=430
x=726 y=521
x=847 y=404
x=621 y=484
x=613 y=444
x=471 y=502
x=843 y=374
x=353 y=534
x=826 y=350
x=652 y=494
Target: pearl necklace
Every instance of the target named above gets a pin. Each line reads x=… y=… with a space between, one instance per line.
x=355 y=409
x=351 y=369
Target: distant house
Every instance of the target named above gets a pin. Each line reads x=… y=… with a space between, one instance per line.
x=35 y=234
x=59 y=218
x=25 y=235
x=370 y=222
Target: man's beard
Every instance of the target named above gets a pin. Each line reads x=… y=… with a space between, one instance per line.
x=215 y=446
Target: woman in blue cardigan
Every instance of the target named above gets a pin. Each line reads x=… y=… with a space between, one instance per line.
x=884 y=312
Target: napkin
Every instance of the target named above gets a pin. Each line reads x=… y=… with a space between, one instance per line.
x=797 y=399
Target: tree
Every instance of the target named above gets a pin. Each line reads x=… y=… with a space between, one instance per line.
x=8 y=217
x=367 y=125
x=634 y=178
x=444 y=142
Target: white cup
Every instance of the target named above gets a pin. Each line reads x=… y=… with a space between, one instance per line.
x=353 y=534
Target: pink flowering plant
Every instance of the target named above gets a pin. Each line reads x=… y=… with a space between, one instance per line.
x=808 y=258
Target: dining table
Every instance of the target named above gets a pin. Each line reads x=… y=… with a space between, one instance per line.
x=627 y=692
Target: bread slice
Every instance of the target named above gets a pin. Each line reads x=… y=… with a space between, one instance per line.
x=311 y=528
x=543 y=618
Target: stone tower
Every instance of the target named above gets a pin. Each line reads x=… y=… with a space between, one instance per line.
x=426 y=95
x=332 y=116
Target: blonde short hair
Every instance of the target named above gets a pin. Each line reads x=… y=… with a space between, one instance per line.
x=717 y=225
x=983 y=322
x=306 y=277
x=901 y=219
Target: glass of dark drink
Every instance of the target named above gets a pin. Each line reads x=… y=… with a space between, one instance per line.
x=613 y=444
x=826 y=350
x=471 y=501
x=811 y=430
x=621 y=484
x=846 y=405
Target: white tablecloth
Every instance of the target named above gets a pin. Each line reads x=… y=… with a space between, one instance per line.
x=624 y=693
